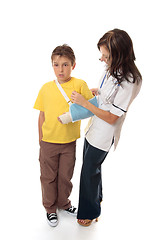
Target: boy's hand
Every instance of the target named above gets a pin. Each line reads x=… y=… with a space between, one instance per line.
x=59 y=120
x=65 y=118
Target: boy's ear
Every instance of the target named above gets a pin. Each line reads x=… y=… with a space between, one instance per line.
x=74 y=65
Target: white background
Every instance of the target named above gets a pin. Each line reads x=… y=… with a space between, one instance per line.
x=30 y=30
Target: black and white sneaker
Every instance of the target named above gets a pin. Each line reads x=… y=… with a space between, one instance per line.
x=52 y=219
x=72 y=210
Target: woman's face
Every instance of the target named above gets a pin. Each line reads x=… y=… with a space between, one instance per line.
x=105 y=56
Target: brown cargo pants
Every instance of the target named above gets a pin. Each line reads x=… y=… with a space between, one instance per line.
x=57 y=165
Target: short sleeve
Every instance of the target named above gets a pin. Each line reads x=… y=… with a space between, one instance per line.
x=122 y=99
x=39 y=103
x=85 y=91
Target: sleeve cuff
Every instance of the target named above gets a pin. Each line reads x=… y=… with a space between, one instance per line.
x=117 y=110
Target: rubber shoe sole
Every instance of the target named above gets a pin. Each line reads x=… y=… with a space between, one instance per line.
x=52 y=224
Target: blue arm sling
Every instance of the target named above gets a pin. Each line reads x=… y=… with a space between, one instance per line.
x=77 y=112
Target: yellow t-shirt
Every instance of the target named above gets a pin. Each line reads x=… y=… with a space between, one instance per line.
x=51 y=101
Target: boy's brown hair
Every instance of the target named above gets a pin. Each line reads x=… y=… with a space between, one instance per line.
x=65 y=51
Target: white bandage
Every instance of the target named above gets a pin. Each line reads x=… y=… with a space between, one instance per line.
x=65 y=118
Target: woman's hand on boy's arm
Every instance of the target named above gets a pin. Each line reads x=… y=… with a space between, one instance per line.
x=78 y=98
x=94 y=91
x=102 y=114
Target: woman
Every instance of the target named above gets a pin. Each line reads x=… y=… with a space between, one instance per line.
x=118 y=87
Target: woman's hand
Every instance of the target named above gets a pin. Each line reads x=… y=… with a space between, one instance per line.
x=78 y=98
x=94 y=91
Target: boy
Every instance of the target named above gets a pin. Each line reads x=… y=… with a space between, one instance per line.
x=58 y=141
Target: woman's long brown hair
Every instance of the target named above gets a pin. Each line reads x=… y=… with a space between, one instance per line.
x=122 y=56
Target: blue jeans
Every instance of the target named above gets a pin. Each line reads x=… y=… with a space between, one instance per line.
x=91 y=182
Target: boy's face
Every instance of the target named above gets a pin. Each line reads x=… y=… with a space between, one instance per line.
x=62 y=67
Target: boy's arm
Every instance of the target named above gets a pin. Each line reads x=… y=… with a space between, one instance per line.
x=40 y=123
x=86 y=92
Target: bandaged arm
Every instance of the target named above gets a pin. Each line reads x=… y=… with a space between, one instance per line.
x=65 y=118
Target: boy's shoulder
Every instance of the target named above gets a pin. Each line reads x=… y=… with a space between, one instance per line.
x=78 y=81
x=47 y=85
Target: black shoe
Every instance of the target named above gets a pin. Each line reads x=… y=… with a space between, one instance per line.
x=52 y=219
x=72 y=210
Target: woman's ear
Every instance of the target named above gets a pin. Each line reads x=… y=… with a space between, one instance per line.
x=74 y=65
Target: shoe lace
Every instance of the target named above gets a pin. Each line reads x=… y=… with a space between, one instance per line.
x=72 y=208
x=52 y=216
